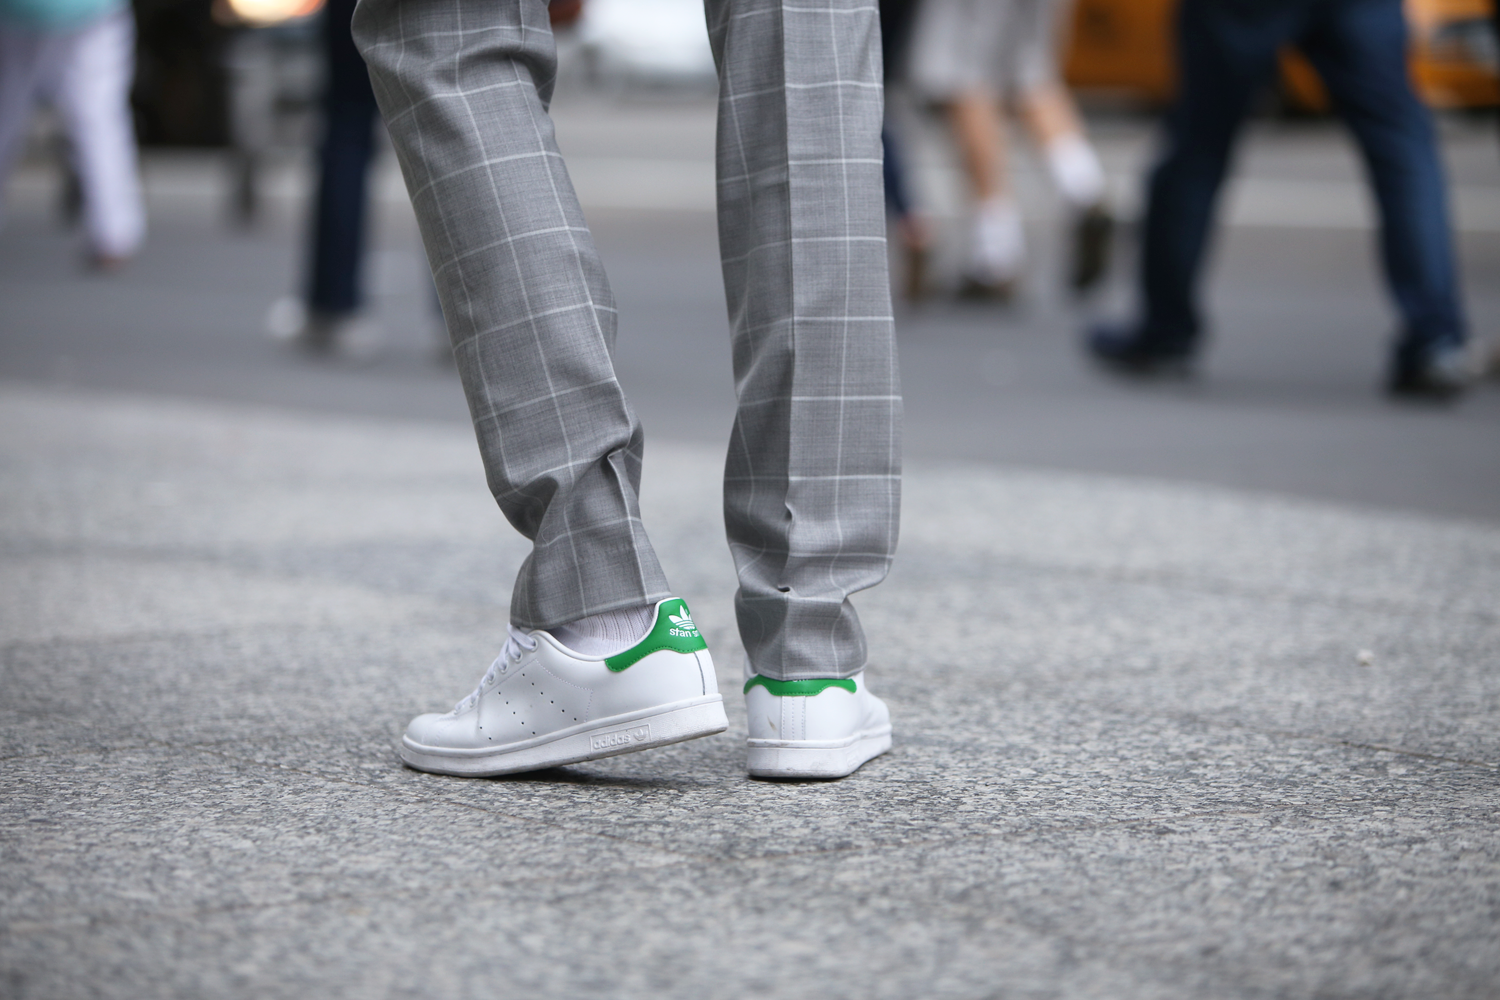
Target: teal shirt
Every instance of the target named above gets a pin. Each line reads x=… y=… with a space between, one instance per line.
x=55 y=15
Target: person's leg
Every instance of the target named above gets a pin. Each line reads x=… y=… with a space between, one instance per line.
x=1047 y=108
x=600 y=659
x=94 y=101
x=911 y=224
x=1491 y=363
x=338 y=243
x=897 y=197
x=1051 y=117
x=1078 y=175
x=997 y=252
x=1226 y=52
x=812 y=483
x=975 y=118
x=24 y=56
x=463 y=86
x=955 y=65
x=1359 y=48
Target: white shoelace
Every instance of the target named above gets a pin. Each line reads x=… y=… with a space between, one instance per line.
x=516 y=644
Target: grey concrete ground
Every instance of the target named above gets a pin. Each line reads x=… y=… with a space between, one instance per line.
x=1152 y=740
x=1195 y=688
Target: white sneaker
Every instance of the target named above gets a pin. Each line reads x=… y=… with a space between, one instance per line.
x=353 y=338
x=541 y=704
x=814 y=729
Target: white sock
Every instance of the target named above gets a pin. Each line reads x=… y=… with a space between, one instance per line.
x=999 y=240
x=1076 y=170
x=608 y=633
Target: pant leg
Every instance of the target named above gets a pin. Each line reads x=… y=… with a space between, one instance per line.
x=24 y=58
x=811 y=486
x=463 y=86
x=897 y=197
x=1359 y=49
x=1226 y=52
x=339 y=212
x=93 y=98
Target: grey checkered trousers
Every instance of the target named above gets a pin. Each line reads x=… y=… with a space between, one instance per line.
x=812 y=481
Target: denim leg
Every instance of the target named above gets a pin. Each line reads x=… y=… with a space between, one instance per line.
x=338 y=241
x=897 y=201
x=1359 y=48
x=1226 y=53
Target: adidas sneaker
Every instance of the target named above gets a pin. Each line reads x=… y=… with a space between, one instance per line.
x=541 y=704
x=814 y=728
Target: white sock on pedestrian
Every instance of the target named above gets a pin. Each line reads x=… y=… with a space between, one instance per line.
x=1076 y=170
x=608 y=633
x=999 y=240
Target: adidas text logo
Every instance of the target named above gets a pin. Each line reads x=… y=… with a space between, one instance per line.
x=682 y=625
x=620 y=738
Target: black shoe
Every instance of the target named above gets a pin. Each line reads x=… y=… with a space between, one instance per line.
x=1125 y=350
x=1092 y=235
x=974 y=289
x=1441 y=374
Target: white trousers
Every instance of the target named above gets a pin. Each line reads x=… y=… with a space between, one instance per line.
x=85 y=74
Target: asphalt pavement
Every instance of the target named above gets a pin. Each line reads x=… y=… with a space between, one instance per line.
x=1195 y=687
x=1287 y=400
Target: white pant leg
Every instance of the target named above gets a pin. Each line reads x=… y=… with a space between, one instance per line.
x=93 y=98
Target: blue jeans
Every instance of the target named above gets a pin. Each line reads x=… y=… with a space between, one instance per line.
x=1226 y=54
x=338 y=237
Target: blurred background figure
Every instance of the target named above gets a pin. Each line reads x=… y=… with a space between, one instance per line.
x=1492 y=363
x=913 y=231
x=978 y=59
x=1227 y=53
x=79 y=57
x=655 y=45
x=328 y=318
x=1294 y=306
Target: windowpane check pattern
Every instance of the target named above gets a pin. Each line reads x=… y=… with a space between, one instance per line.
x=812 y=481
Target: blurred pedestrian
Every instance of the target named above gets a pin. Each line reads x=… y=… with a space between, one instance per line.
x=1227 y=51
x=329 y=318
x=912 y=227
x=601 y=658
x=1492 y=360
x=79 y=57
x=977 y=59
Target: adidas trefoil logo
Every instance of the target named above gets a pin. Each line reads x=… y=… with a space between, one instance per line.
x=682 y=624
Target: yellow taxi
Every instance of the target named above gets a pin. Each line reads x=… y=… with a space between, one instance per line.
x=1125 y=47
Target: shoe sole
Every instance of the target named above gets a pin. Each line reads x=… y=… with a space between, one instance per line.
x=808 y=759
x=1162 y=369
x=660 y=726
x=981 y=291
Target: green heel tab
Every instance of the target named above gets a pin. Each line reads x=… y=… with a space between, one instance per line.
x=799 y=689
x=674 y=630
